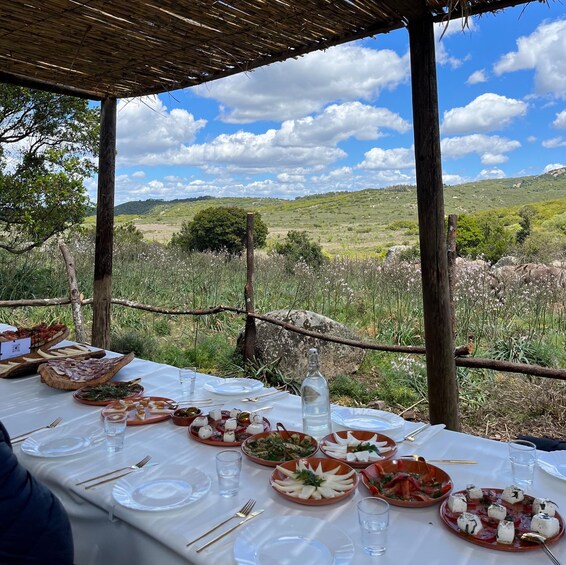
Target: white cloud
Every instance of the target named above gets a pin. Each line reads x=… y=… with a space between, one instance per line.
x=554 y=143
x=491 y=149
x=145 y=127
x=299 y=87
x=487 y=112
x=452 y=179
x=477 y=77
x=493 y=173
x=560 y=121
x=544 y=51
x=139 y=174
x=386 y=159
x=553 y=166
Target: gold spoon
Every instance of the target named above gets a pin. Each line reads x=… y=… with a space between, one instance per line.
x=537 y=538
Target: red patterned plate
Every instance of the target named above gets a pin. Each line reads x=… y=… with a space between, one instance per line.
x=521 y=512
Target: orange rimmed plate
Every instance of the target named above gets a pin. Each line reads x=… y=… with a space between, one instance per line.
x=282 y=480
x=521 y=513
x=151 y=417
x=218 y=431
x=136 y=391
x=407 y=483
x=360 y=435
x=250 y=447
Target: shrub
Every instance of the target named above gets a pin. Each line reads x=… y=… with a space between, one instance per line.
x=219 y=228
x=483 y=235
x=296 y=246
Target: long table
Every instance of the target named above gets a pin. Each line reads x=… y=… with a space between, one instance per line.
x=107 y=533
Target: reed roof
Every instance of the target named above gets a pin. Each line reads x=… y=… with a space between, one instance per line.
x=125 y=48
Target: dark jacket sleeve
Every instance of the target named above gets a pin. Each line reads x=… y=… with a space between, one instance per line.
x=34 y=527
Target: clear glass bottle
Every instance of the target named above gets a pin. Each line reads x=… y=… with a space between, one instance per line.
x=315 y=400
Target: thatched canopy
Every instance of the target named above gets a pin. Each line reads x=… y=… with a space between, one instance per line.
x=104 y=48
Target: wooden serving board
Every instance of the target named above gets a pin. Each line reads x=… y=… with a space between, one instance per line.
x=28 y=364
x=110 y=366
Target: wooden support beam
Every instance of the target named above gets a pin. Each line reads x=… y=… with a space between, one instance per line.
x=441 y=368
x=102 y=287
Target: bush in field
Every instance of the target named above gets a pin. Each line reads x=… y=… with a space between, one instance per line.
x=296 y=246
x=483 y=235
x=219 y=228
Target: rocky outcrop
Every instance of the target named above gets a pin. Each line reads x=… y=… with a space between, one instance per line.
x=274 y=342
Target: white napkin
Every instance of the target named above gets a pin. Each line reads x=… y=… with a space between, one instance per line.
x=424 y=436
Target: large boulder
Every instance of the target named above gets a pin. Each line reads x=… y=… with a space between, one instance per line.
x=291 y=348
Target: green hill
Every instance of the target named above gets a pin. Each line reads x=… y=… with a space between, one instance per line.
x=357 y=223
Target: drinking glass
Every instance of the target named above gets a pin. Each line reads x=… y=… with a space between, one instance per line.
x=188 y=378
x=228 y=468
x=115 y=431
x=523 y=458
x=373 y=514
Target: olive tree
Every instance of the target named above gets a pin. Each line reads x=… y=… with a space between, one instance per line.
x=47 y=145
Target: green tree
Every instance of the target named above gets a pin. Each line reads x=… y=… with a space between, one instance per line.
x=219 y=228
x=526 y=214
x=47 y=142
x=482 y=235
x=296 y=246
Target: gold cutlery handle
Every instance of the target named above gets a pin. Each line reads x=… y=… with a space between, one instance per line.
x=460 y=461
x=109 y=480
x=100 y=476
x=209 y=531
x=229 y=531
x=411 y=435
x=23 y=437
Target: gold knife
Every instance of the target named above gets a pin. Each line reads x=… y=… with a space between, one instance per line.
x=415 y=432
x=229 y=531
x=88 y=487
x=460 y=461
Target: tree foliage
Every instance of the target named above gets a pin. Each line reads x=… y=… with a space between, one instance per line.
x=297 y=246
x=219 y=228
x=47 y=142
x=484 y=236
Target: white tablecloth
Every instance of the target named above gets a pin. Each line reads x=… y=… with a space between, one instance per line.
x=106 y=533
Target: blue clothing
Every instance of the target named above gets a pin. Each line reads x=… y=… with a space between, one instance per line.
x=34 y=527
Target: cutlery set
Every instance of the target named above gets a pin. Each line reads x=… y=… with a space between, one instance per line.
x=24 y=436
x=129 y=469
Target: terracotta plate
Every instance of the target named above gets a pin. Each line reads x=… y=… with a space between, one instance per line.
x=521 y=512
x=136 y=391
x=362 y=435
x=313 y=463
x=141 y=402
x=250 y=447
x=218 y=431
x=408 y=476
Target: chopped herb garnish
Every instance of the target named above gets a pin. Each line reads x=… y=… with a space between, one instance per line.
x=309 y=478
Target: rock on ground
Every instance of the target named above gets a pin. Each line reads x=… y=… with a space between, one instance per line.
x=274 y=342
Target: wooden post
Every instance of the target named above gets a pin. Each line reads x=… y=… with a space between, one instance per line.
x=250 y=329
x=74 y=294
x=441 y=367
x=102 y=287
x=451 y=256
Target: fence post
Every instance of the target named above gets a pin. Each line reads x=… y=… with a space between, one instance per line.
x=74 y=294
x=451 y=254
x=250 y=329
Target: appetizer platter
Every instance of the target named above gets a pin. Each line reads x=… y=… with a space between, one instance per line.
x=105 y=393
x=314 y=481
x=497 y=518
x=72 y=374
x=406 y=482
x=358 y=448
x=27 y=364
x=276 y=447
x=185 y=416
x=144 y=410
x=42 y=336
x=227 y=428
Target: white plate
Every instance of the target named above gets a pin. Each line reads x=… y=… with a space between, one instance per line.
x=60 y=442
x=368 y=419
x=162 y=488
x=234 y=387
x=553 y=463
x=288 y=540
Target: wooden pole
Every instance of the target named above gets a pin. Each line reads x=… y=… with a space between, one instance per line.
x=441 y=368
x=250 y=329
x=102 y=287
x=74 y=294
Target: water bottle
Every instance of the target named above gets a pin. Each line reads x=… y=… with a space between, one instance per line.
x=315 y=400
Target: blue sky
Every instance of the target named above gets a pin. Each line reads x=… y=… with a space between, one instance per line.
x=342 y=119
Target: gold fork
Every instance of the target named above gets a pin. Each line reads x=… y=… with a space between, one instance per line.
x=130 y=468
x=260 y=396
x=22 y=437
x=242 y=513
